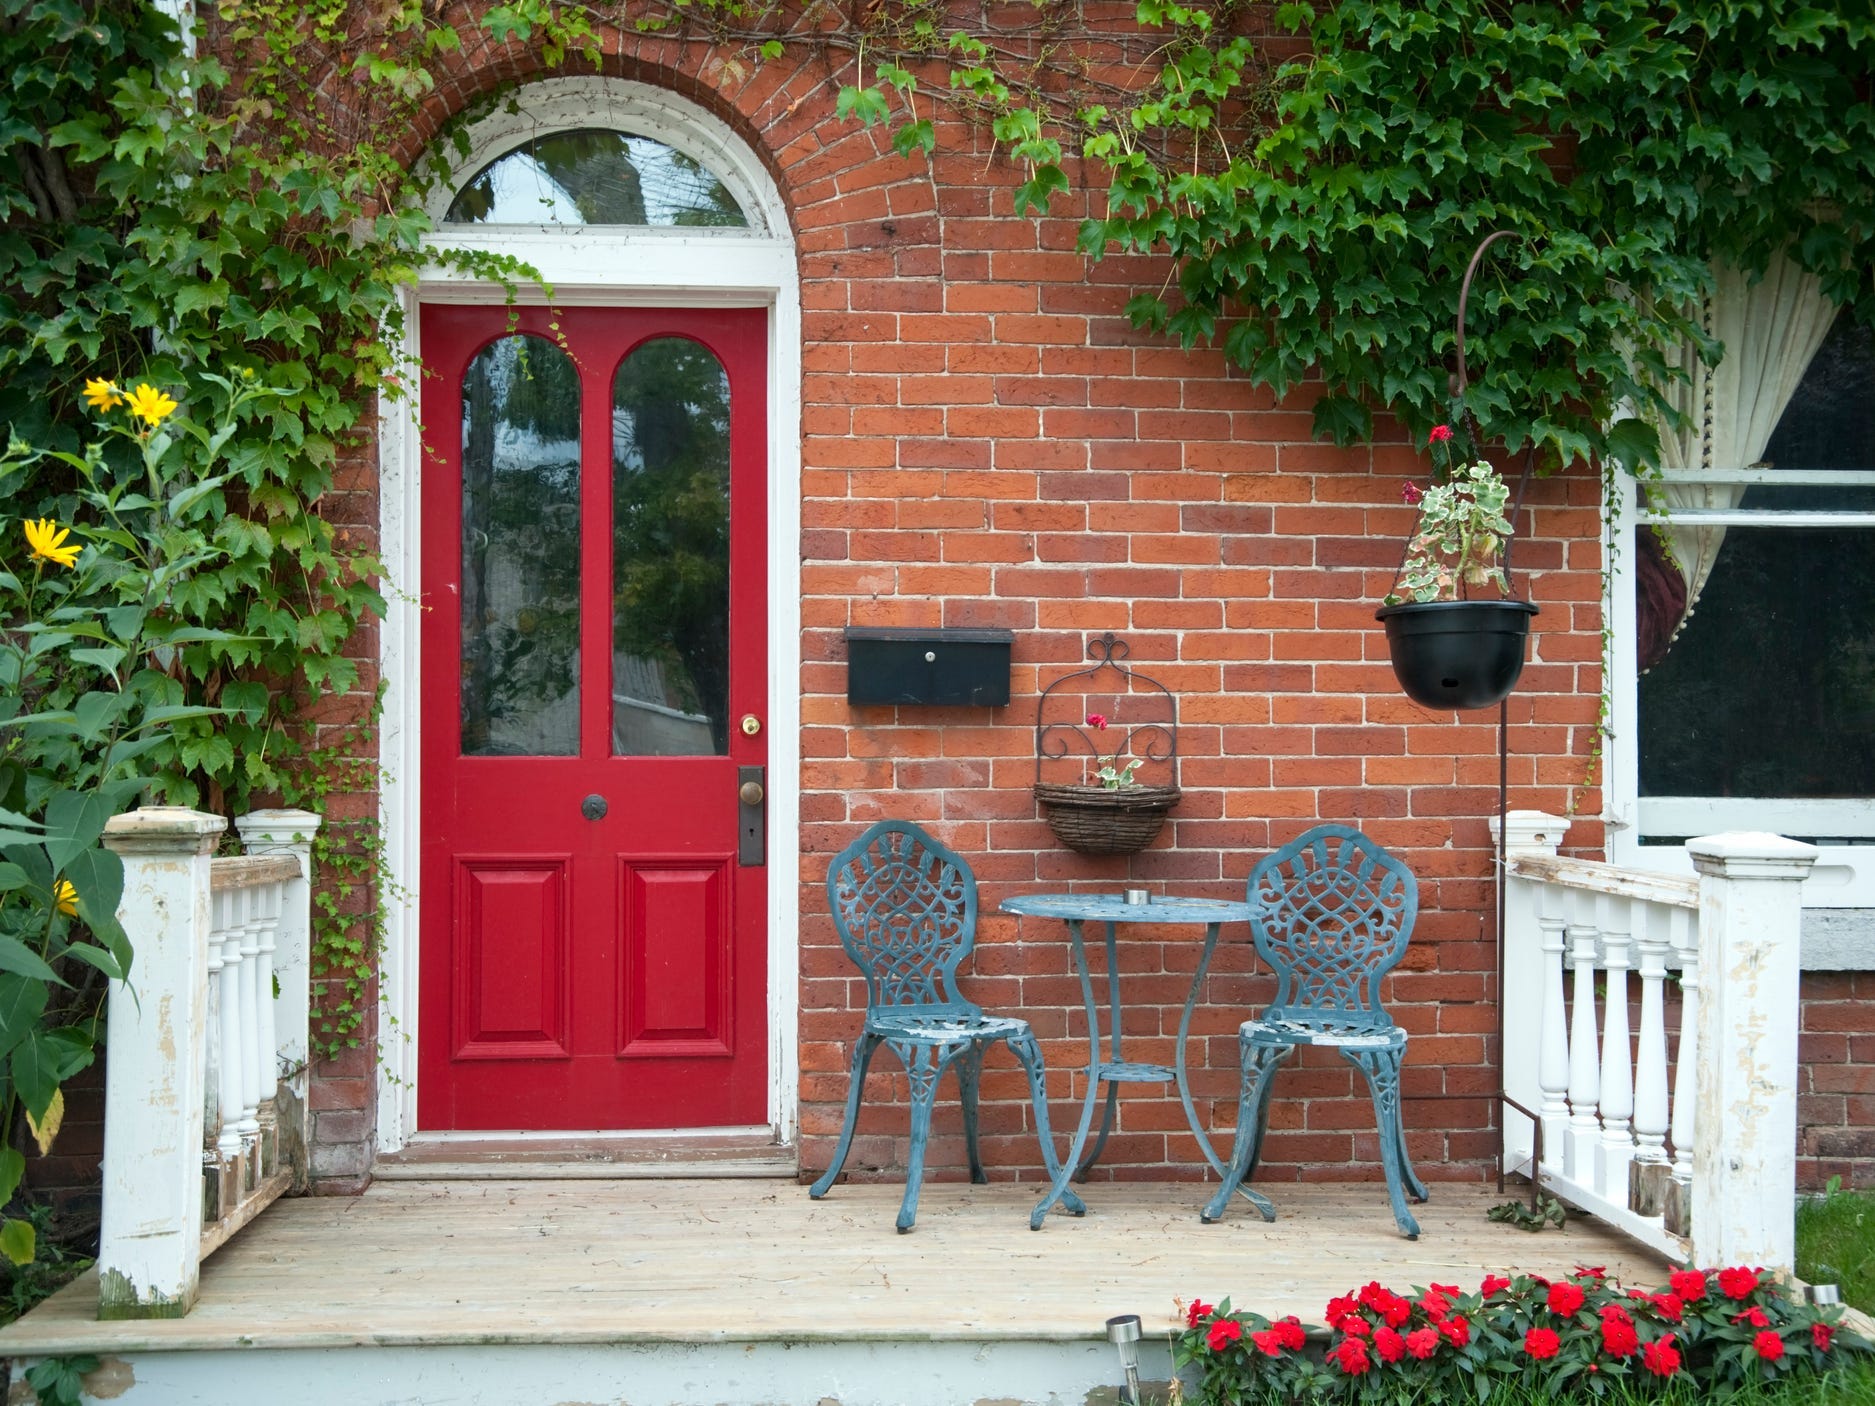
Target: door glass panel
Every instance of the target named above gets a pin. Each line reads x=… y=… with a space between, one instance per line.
x=520 y=551
x=670 y=552
x=596 y=177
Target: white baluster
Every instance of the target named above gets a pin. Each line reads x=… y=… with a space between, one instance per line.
x=1686 y=1067
x=1553 y=1060
x=1617 y=1097
x=212 y=1120
x=267 y=1059
x=1650 y=1072
x=233 y=1069
x=1584 y=1073
x=249 y=1052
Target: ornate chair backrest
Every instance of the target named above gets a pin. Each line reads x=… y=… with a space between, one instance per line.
x=1332 y=912
x=906 y=910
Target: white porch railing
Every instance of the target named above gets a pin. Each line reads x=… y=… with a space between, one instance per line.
x=204 y=1099
x=1679 y=1126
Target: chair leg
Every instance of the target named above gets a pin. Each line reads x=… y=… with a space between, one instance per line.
x=1022 y=1045
x=969 y=1072
x=923 y=1065
x=1382 y=1068
x=1259 y=1077
x=863 y=1050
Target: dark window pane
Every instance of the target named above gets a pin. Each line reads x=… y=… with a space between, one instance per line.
x=520 y=551
x=670 y=552
x=595 y=177
x=1769 y=690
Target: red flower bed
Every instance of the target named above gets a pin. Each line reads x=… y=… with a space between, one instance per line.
x=1709 y=1331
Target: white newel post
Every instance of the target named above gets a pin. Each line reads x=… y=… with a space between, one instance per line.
x=1526 y=984
x=289 y=832
x=1745 y=1136
x=151 y=1232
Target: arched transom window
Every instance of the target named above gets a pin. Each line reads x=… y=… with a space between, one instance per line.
x=597 y=176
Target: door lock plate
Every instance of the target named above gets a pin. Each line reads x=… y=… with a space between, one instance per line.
x=751 y=817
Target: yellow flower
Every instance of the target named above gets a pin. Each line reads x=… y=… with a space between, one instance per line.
x=102 y=395
x=47 y=541
x=149 y=404
x=66 y=897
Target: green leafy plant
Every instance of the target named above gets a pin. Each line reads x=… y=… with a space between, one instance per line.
x=89 y=640
x=60 y=1381
x=1113 y=775
x=1546 y=1211
x=24 y=1287
x=1459 y=537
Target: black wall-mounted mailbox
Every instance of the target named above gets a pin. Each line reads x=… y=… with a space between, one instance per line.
x=958 y=668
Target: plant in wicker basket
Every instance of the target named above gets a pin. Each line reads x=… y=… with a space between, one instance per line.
x=1089 y=785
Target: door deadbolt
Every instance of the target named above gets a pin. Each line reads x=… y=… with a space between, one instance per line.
x=750 y=724
x=751 y=793
x=593 y=807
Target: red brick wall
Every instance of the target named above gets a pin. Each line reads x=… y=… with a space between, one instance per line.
x=1836 y=1080
x=988 y=442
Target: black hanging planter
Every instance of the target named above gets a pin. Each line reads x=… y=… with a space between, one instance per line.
x=1457 y=653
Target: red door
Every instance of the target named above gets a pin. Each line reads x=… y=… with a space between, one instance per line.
x=593 y=952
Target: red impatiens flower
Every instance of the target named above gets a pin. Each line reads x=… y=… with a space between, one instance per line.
x=1289 y=1332
x=1354 y=1326
x=1492 y=1283
x=1410 y=494
x=1615 y=1312
x=1738 y=1283
x=1820 y=1334
x=1351 y=1357
x=1436 y=1302
x=1768 y=1345
x=1689 y=1284
x=1389 y=1344
x=1661 y=1357
x=1669 y=1305
x=1564 y=1298
x=1618 y=1338
x=1339 y=1309
x=1268 y=1342
x=1440 y=434
x=1455 y=1330
x=1541 y=1343
x=1097 y=721
x=1591 y=1271
x=1224 y=1332
x=1199 y=1309
x=1389 y=1305
x=1423 y=1342
x=1755 y=1316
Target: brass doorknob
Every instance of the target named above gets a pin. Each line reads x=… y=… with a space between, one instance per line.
x=751 y=793
x=750 y=724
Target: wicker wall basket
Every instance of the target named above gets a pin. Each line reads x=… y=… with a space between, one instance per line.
x=1095 y=820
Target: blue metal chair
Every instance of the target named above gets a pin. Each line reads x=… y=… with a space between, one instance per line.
x=906 y=910
x=1332 y=913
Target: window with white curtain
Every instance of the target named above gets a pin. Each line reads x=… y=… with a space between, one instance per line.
x=1743 y=600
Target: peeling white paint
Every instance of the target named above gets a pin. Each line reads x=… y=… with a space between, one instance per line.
x=640 y=1374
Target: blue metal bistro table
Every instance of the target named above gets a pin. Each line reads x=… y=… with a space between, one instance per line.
x=1112 y=1070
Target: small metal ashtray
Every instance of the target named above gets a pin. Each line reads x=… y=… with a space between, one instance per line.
x=1134 y=897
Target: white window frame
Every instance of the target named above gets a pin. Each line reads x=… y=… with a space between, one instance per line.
x=1844 y=876
x=614 y=266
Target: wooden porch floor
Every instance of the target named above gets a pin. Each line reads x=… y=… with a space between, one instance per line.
x=725 y=1261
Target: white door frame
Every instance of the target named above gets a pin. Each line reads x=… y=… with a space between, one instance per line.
x=612 y=266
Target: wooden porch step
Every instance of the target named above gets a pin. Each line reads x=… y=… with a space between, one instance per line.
x=596 y=1157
